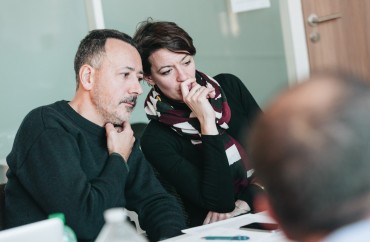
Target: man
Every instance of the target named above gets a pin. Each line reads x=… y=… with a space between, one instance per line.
x=80 y=157
x=311 y=151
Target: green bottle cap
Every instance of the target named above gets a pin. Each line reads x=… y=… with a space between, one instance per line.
x=58 y=215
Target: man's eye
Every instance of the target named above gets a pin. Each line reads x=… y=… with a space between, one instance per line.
x=125 y=74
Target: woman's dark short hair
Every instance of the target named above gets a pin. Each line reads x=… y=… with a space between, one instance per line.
x=152 y=35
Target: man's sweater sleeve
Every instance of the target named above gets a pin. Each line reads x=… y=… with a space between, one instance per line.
x=159 y=214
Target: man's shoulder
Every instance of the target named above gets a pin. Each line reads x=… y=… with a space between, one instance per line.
x=43 y=114
x=35 y=123
x=355 y=231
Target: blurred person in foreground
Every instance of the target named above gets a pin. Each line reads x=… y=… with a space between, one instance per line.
x=311 y=151
x=80 y=157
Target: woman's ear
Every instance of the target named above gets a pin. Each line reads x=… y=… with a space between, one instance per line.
x=86 y=75
x=149 y=80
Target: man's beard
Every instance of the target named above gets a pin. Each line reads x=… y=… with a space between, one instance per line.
x=111 y=112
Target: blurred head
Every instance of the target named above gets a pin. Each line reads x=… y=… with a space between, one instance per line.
x=310 y=150
x=167 y=54
x=108 y=67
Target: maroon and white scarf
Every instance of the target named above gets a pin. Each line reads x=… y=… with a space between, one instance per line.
x=181 y=119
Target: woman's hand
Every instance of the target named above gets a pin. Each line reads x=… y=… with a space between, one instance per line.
x=214 y=217
x=241 y=207
x=196 y=97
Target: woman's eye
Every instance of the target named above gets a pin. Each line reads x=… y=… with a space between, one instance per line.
x=166 y=72
x=188 y=62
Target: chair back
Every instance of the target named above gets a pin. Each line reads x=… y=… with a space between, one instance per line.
x=2 y=206
x=138 y=129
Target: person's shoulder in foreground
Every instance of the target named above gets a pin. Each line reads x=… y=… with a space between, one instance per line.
x=311 y=150
x=81 y=158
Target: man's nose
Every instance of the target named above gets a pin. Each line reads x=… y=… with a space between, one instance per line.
x=137 y=88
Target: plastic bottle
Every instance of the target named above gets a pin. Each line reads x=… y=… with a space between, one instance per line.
x=68 y=234
x=117 y=228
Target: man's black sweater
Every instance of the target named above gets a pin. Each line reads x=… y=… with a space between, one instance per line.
x=60 y=163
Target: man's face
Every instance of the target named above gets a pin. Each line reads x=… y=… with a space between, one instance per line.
x=117 y=82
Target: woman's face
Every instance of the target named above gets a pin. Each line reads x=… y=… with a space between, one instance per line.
x=169 y=70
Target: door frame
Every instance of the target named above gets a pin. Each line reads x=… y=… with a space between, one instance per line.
x=294 y=38
x=94 y=14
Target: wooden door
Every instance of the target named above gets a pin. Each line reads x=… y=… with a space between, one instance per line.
x=341 y=36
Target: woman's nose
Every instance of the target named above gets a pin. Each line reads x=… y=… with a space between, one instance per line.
x=181 y=75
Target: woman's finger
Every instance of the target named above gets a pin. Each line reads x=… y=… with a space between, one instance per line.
x=215 y=217
x=186 y=86
x=208 y=218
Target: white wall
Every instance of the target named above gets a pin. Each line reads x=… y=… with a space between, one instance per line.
x=39 y=39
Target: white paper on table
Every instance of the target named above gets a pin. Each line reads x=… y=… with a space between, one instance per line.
x=248 y=5
x=234 y=223
x=253 y=235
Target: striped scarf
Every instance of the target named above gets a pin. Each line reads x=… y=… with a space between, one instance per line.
x=180 y=118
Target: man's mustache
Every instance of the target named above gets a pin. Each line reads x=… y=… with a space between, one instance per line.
x=131 y=99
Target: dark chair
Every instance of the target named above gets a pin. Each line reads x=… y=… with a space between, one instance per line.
x=2 y=206
x=138 y=129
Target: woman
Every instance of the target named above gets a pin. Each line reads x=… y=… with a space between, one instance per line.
x=195 y=124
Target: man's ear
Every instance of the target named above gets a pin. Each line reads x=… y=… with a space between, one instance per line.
x=86 y=75
x=262 y=203
x=267 y=204
x=149 y=80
